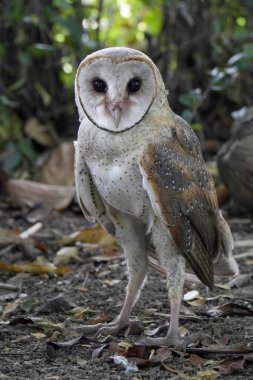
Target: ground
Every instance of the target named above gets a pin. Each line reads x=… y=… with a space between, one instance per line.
x=33 y=329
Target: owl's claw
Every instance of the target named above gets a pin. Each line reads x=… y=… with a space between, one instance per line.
x=103 y=328
x=173 y=341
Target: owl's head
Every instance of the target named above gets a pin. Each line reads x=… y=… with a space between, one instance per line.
x=116 y=87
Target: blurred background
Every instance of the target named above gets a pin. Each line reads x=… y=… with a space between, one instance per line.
x=203 y=49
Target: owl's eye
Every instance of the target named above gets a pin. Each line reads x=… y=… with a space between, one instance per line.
x=134 y=85
x=99 y=85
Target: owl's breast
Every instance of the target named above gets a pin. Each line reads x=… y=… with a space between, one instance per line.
x=120 y=185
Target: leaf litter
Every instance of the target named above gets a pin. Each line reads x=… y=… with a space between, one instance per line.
x=205 y=359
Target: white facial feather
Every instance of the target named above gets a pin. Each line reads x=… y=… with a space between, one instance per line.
x=116 y=75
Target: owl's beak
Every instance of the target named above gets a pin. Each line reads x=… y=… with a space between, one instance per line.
x=115 y=110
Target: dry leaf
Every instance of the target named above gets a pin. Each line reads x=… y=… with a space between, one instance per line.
x=193 y=294
x=65 y=255
x=39 y=132
x=204 y=375
x=128 y=365
x=34 y=268
x=35 y=194
x=230 y=366
x=230 y=308
x=59 y=169
x=238 y=348
x=57 y=305
x=11 y=288
x=95 y=235
x=39 y=335
x=8 y=236
x=102 y=318
x=197 y=302
x=196 y=360
x=240 y=280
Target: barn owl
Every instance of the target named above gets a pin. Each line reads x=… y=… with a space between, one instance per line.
x=139 y=172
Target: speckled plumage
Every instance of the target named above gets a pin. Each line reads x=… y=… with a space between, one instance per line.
x=139 y=168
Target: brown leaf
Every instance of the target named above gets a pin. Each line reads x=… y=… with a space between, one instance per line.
x=95 y=235
x=39 y=132
x=102 y=318
x=98 y=351
x=53 y=173
x=34 y=268
x=57 y=304
x=230 y=308
x=138 y=351
x=239 y=348
x=35 y=194
x=230 y=366
x=196 y=360
x=161 y=354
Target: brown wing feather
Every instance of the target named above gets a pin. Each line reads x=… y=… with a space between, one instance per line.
x=183 y=188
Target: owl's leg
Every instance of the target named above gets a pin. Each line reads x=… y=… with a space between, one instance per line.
x=174 y=265
x=130 y=234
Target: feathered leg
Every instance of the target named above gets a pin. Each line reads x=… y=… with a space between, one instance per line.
x=130 y=234
x=174 y=265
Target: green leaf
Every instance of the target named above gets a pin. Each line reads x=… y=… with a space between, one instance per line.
x=25 y=147
x=12 y=161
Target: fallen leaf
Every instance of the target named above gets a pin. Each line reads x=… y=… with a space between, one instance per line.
x=65 y=255
x=135 y=328
x=8 y=236
x=47 y=325
x=10 y=307
x=240 y=280
x=196 y=360
x=197 y=302
x=102 y=318
x=203 y=375
x=153 y=332
x=230 y=308
x=116 y=348
x=57 y=304
x=98 y=351
x=79 y=312
x=52 y=172
x=128 y=365
x=230 y=366
x=34 y=268
x=39 y=132
x=95 y=235
x=25 y=320
x=183 y=331
x=238 y=348
x=82 y=362
x=39 y=335
x=36 y=194
x=193 y=294
x=11 y=288
x=161 y=354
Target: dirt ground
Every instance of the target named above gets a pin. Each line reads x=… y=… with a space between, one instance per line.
x=37 y=339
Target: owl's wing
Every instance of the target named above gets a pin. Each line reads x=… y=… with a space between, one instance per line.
x=88 y=197
x=183 y=197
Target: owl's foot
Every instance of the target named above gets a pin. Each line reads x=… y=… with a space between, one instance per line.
x=103 y=328
x=174 y=341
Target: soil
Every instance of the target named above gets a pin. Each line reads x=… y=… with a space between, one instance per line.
x=31 y=325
